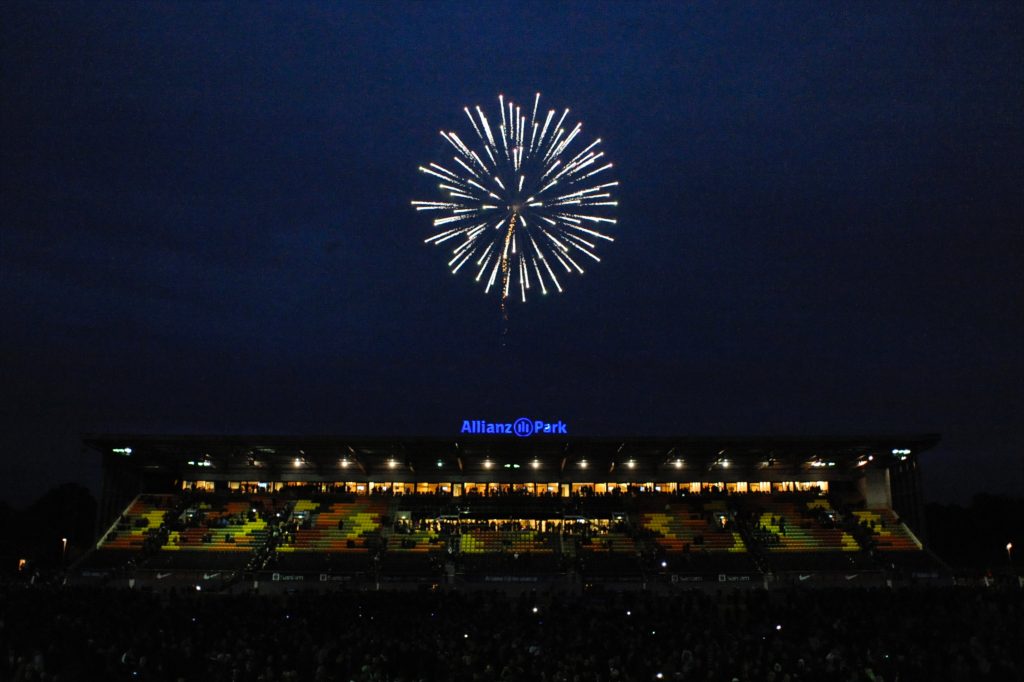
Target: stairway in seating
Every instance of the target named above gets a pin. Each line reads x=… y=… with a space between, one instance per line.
x=566 y=545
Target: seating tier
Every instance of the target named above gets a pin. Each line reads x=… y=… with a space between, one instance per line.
x=337 y=526
x=890 y=534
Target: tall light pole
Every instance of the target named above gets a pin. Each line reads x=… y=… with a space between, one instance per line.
x=63 y=550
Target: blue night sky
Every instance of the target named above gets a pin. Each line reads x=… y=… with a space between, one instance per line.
x=205 y=225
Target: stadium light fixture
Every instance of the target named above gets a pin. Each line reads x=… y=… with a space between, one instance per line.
x=440 y=464
x=392 y=464
x=488 y=464
x=631 y=464
x=1009 y=551
x=297 y=463
x=678 y=464
x=725 y=464
x=583 y=464
x=344 y=464
x=535 y=464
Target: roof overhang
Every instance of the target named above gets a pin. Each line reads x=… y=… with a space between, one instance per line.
x=265 y=457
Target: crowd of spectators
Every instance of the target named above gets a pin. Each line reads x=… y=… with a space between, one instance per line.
x=60 y=633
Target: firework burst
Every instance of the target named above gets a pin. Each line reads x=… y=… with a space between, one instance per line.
x=520 y=207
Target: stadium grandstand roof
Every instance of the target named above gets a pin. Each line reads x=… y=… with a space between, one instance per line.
x=382 y=457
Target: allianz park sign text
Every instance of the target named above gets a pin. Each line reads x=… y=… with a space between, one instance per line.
x=521 y=427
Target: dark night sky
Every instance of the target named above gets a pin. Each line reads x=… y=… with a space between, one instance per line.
x=206 y=225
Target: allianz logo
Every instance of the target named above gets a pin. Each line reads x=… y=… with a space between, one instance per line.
x=522 y=427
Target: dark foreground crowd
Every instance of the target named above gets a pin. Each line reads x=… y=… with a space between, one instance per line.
x=848 y=635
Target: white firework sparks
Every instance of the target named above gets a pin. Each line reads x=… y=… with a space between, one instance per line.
x=520 y=208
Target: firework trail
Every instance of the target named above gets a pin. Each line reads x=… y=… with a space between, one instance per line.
x=517 y=198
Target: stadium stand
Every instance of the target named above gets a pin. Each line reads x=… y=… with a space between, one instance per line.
x=447 y=511
x=653 y=536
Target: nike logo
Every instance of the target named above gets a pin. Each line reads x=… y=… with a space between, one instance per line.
x=805 y=577
x=851 y=577
x=207 y=576
x=161 y=576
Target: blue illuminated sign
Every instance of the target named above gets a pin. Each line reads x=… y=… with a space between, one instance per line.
x=521 y=427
